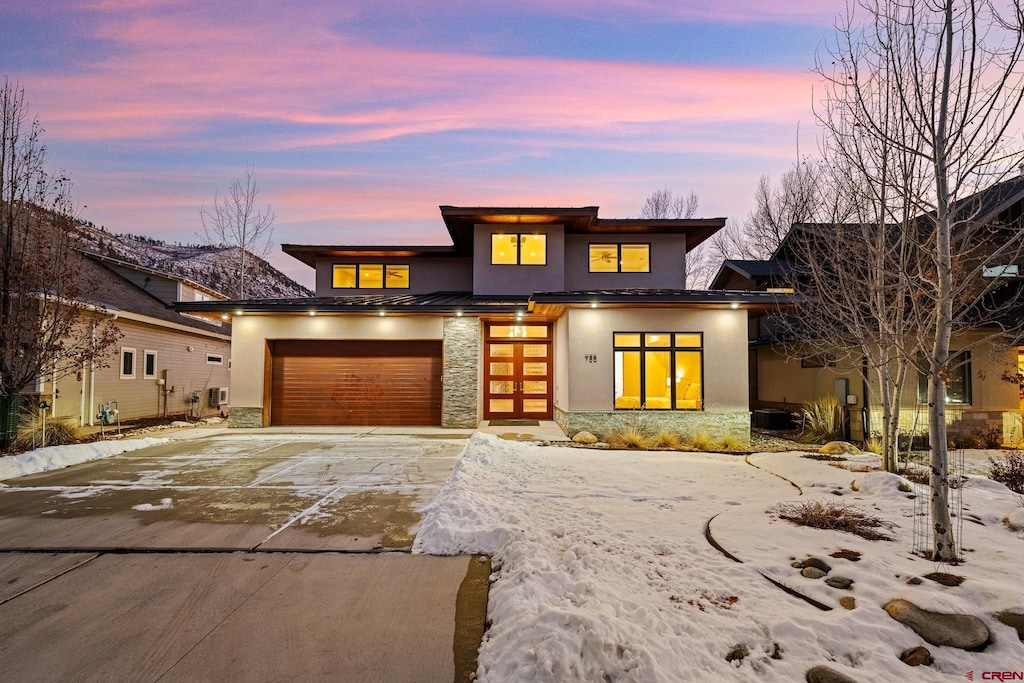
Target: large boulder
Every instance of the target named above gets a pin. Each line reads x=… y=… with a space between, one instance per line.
x=823 y=674
x=839 y=448
x=584 y=437
x=964 y=631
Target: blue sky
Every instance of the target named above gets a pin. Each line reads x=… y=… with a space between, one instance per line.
x=362 y=117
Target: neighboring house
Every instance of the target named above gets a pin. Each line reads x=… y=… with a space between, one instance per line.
x=979 y=402
x=531 y=313
x=163 y=361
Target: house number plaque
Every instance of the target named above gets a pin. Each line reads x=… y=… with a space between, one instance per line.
x=590 y=357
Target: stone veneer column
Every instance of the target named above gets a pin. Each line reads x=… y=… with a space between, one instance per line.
x=460 y=402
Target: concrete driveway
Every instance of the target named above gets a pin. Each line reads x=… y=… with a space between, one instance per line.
x=254 y=556
x=237 y=491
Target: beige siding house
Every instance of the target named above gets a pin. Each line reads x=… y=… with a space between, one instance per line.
x=166 y=363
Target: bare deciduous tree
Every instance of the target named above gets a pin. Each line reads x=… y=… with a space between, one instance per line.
x=778 y=207
x=235 y=221
x=47 y=325
x=664 y=203
x=920 y=99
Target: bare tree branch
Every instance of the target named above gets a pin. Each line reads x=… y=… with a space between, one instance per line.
x=234 y=221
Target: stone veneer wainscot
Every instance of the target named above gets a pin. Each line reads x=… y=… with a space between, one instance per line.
x=245 y=418
x=688 y=422
x=460 y=404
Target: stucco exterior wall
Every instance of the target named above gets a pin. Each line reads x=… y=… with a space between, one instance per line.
x=591 y=385
x=668 y=263
x=560 y=342
x=782 y=380
x=505 y=280
x=426 y=274
x=251 y=332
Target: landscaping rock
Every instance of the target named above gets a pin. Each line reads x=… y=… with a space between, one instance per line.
x=823 y=674
x=584 y=437
x=214 y=420
x=817 y=564
x=848 y=603
x=796 y=564
x=602 y=444
x=1013 y=620
x=840 y=582
x=1015 y=520
x=812 y=573
x=964 y=631
x=738 y=652
x=916 y=656
x=914 y=581
x=181 y=423
x=839 y=448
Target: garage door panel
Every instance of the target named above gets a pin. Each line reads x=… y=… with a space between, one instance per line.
x=356 y=383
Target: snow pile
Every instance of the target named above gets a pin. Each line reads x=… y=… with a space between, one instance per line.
x=165 y=504
x=602 y=570
x=57 y=457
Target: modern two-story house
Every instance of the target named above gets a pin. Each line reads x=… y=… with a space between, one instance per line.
x=530 y=313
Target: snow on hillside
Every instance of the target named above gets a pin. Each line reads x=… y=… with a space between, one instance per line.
x=208 y=265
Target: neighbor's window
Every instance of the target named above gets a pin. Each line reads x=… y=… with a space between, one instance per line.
x=370 y=276
x=658 y=370
x=149 y=365
x=214 y=359
x=958 y=391
x=519 y=250
x=620 y=258
x=127 y=363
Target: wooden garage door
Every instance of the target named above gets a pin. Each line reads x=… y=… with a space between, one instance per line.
x=355 y=383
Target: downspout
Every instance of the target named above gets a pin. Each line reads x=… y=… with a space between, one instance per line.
x=53 y=403
x=92 y=372
x=81 y=395
x=865 y=413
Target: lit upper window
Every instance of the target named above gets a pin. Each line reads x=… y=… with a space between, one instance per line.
x=620 y=258
x=519 y=250
x=370 y=276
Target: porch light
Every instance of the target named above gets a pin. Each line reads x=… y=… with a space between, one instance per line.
x=224 y=316
x=381 y=313
x=239 y=312
x=312 y=313
x=593 y=304
x=734 y=305
x=458 y=314
x=519 y=315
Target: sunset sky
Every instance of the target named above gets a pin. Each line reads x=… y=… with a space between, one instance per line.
x=362 y=116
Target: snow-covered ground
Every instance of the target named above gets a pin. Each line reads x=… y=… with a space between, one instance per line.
x=57 y=457
x=603 y=571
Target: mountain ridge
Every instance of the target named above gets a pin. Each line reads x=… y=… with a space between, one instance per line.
x=209 y=265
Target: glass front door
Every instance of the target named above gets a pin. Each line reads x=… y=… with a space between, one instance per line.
x=518 y=372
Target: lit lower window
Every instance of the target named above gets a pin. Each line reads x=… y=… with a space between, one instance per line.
x=517 y=249
x=658 y=370
x=370 y=276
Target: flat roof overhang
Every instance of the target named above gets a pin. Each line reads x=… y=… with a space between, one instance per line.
x=683 y=298
x=367 y=306
x=308 y=253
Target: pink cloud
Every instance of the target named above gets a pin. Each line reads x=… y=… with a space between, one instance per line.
x=184 y=72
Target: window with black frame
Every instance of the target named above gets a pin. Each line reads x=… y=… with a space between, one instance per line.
x=658 y=370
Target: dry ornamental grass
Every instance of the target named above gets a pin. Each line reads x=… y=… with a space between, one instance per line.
x=833 y=517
